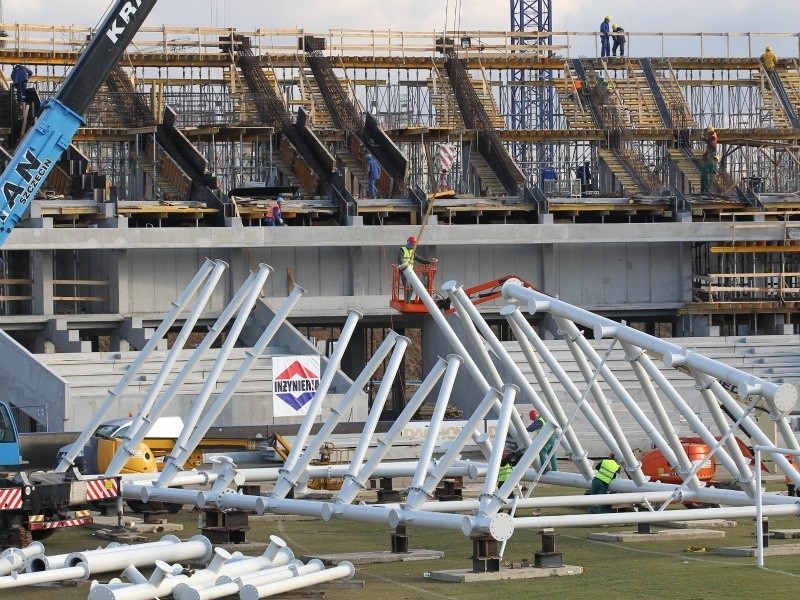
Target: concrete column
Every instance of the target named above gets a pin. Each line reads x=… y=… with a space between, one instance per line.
x=43 y=275
x=119 y=282
x=357 y=266
x=355 y=358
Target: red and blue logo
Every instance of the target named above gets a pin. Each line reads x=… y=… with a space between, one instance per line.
x=296 y=384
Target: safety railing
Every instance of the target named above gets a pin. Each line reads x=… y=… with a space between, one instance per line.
x=468 y=43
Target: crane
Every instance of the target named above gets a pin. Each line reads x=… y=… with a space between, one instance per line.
x=40 y=149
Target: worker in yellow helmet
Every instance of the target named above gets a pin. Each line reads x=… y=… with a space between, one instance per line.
x=605 y=35
x=619 y=40
x=769 y=59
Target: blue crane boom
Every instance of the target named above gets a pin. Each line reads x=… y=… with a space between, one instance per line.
x=52 y=133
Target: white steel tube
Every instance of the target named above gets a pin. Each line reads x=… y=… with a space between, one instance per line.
x=596 y=520
x=353 y=483
x=790 y=441
x=429 y=445
x=14 y=559
x=228 y=586
x=180 y=453
x=40 y=562
x=16 y=580
x=759 y=511
x=743 y=475
x=752 y=428
x=459 y=297
x=250 y=289
x=192 y=477
x=172 y=356
x=580 y=349
x=708 y=495
x=160 y=585
x=522 y=332
x=401 y=343
x=490 y=504
x=152 y=493
x=480 y=334
x=520 y=434
x=197 y=548
x=673 y=355
x=686 y=411
x=417 y=496
x=136 y=365
x=276 y=556
x=510 y=392
x=575 y=394
x=231 y=500
x=683 y=465
x=344 y=570
x=288 y=479
x=353 y=317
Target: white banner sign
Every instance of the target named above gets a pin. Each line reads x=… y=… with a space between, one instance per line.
x=295 y=380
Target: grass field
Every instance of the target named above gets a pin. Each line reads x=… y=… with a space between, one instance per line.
x=611 y=570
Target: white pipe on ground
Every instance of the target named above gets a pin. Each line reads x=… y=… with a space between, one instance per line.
x=40 y=562
x=16 y=580
x=14 y=559
x=160 y=585
x=197 y=548
x=227 y=585
x=344 y=570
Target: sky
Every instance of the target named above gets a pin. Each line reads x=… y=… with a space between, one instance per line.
x=318 y=16
x=426 y=15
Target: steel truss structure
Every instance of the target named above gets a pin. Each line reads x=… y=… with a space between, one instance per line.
x=651 y=391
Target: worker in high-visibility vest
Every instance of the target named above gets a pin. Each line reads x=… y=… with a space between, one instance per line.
x=537 y=422
x=406 y=256
x=605 y=471
x=506 y=467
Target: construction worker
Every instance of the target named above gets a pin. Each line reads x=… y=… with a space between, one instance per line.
x=507 y=464
x=537 y=422
x=373 y=174
x=19 y=77
x=584 y=175
x=407 y=255
x=605 y=471
x=619 y=40
x=710 y=169
x=274 y=216
x=605 y=31
x=711 y=144
x=769 y=59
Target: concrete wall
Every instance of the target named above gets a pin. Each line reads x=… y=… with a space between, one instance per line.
x=590 y=275
x=30 y=385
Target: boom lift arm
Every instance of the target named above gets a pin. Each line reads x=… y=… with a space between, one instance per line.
x=53 y=131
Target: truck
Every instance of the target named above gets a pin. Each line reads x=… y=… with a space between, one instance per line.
x=35 y=504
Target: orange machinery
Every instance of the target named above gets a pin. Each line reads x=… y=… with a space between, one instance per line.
x=658 y=469
x=405 y=301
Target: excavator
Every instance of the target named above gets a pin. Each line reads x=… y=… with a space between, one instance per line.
x=35 y=504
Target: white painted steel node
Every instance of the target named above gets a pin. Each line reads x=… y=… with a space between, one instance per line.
x=510 y=282
x=501 y=527
x=785 y=398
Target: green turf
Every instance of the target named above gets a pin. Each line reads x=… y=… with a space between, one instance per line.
x=611 y=570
